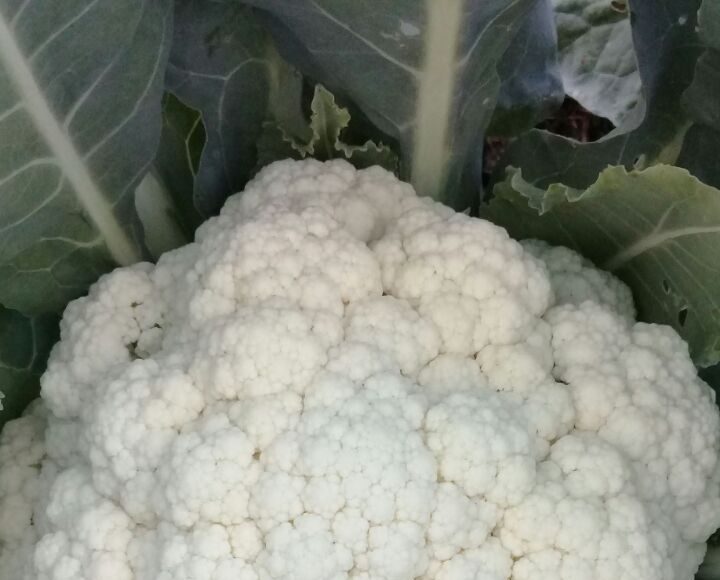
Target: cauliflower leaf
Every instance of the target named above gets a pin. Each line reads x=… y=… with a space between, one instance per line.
x=322 y=138
x=432 y=83
x=597 y=57
x=667 y=46
x=657 y=229
x=71 y=149
x=24 y=346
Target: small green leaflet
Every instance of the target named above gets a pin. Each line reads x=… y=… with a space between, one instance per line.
x=323 y=138
x=658 y=229
x=25 y=343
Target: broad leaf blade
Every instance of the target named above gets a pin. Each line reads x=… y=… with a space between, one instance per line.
x=80 y=88
x=24 y=347
x=657 y=229
x=702 y=96
x=597 y=57
x=530 y=74
x=423 y=71
x=701 y=144
x=666 y=45
x=220 y=66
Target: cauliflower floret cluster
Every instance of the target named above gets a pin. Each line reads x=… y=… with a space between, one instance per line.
x=575 y=279
x=340 y=380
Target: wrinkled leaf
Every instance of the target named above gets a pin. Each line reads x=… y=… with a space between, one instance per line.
x=530 y=75
x=80 y=91
x=327 y=122
x=322 y=138
x=423 y=72
x=24 y=347
x=597 y=57
x=666 y=46
x=220 y=65
x=657 y=229
x=274 y=145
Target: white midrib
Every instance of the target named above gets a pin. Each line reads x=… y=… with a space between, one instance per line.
x=435 y=94
x=654 y=240
x=88 y=192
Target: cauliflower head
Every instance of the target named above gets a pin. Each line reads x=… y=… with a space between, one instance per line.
x=340 y=380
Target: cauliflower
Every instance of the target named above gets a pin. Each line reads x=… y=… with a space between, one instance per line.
x=340 y=380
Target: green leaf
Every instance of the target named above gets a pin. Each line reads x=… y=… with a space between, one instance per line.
x=423 y=71
x=710 y=569
x=702 y=96
x=597 y=57
x=711 y=375
x=322 y=138
x=275 y=144
x=702 y=140
x=177 y=161
x=666 y=45
x=699 y=154
x=158 y=215
x=657 y=229
x=222 y=65
x=287 y=97
x=326 y=123
x=80 y=91
x=531 y=86
x=25 y=343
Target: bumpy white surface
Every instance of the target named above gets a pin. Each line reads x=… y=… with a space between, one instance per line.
x=340 y=380
x=575 y=279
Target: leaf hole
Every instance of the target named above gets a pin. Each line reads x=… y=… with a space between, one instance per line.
x=666 y=287
x=682 y=316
